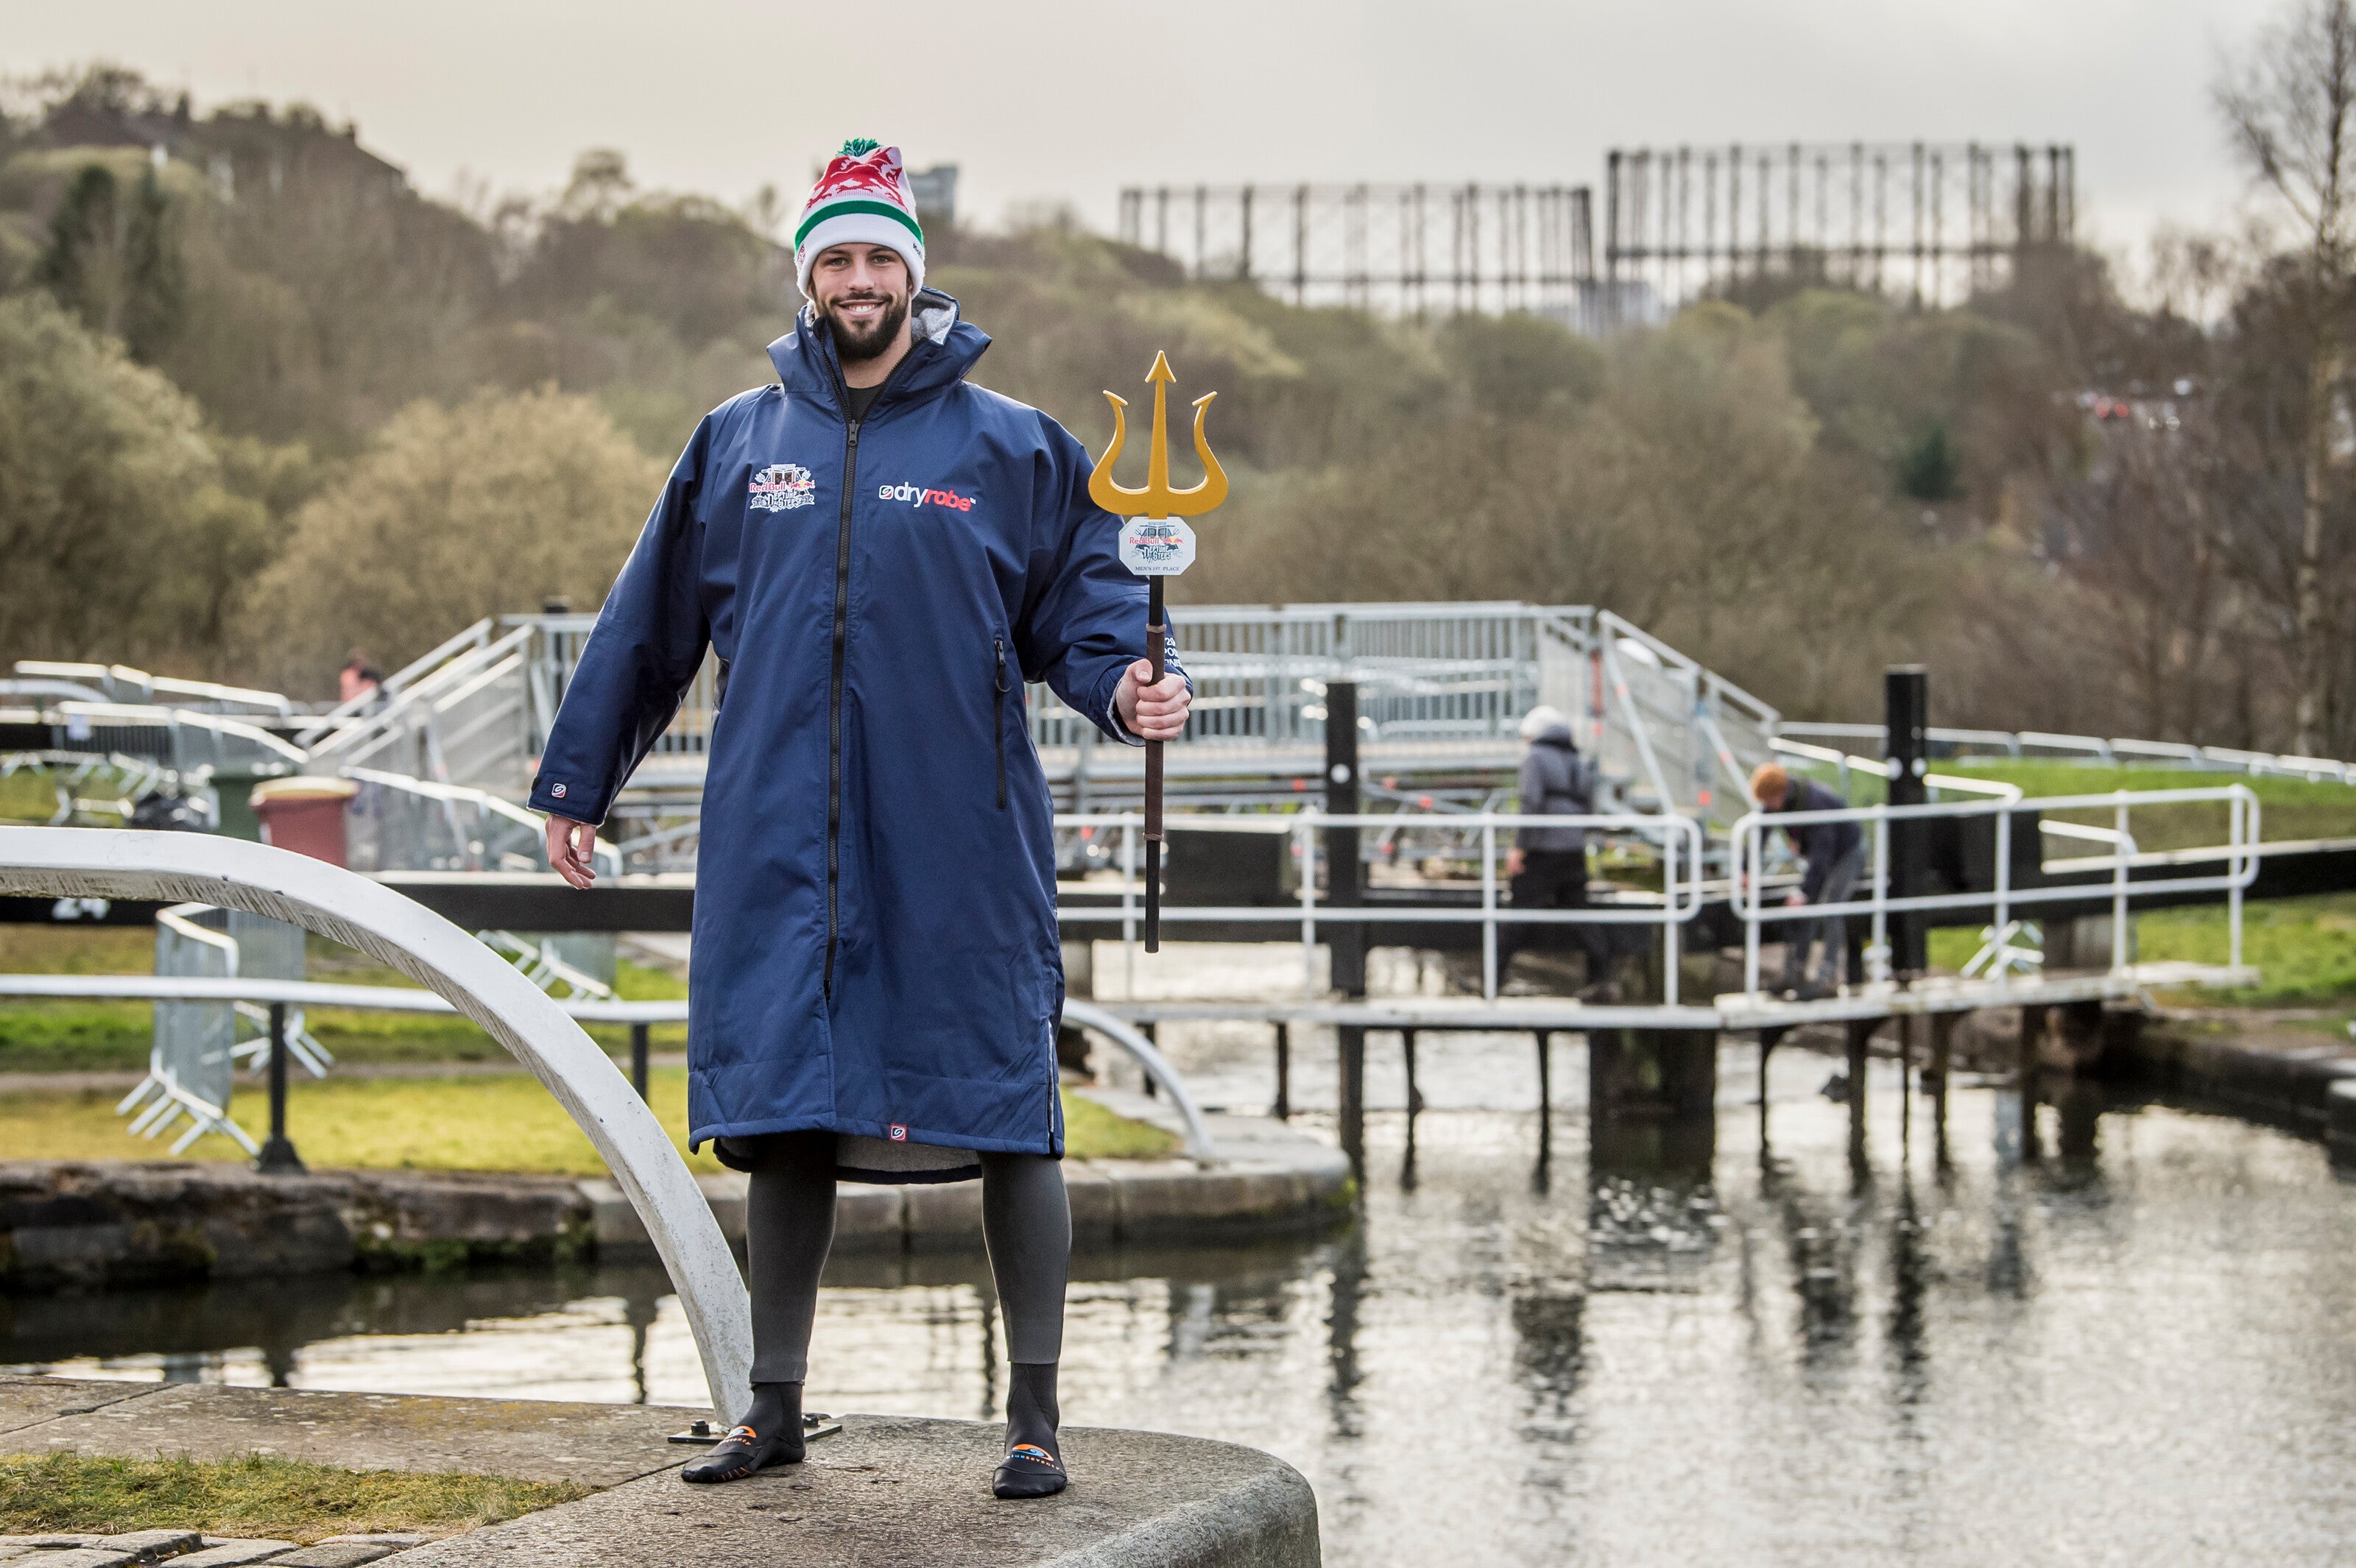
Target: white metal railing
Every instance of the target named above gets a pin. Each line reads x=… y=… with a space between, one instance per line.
x=2089 y=749
x=464 y=721
x=401 y=823
x=1447 y=682
x=114 y=681
x=1679 y=842
x=357 y=708
x=2240 y=857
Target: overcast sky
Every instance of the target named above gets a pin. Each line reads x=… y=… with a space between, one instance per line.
x=1047 y=99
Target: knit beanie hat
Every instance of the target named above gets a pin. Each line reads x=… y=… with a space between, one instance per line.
x=862 y=198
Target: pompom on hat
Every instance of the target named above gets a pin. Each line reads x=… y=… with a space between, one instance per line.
x=862 y=198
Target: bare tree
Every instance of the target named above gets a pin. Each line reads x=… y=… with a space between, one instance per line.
x=2287 y=110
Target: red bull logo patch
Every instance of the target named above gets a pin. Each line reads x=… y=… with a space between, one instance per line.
x=782 y=486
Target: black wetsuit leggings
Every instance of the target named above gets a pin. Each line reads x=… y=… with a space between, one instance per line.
x=1026 y=1222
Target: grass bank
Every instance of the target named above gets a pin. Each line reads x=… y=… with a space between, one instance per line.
x=99 y=1037
x=2288 y=808
x=503 y=1123
x=257 y=1497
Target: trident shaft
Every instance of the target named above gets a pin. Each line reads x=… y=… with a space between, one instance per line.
x=1157 y=502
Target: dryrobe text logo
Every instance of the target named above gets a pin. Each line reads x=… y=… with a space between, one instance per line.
x=917 y=495
x=782 y=486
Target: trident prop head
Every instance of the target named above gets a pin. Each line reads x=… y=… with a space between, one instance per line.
x=1158 y=499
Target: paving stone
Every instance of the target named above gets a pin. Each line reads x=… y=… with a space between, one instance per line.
x=379 y=1538
x=532 y=1440
x=44 y=1543
x=27 y=1401
x=219 y=1554
x=85 y=1557
x=341 y=1554
x=152 y=1545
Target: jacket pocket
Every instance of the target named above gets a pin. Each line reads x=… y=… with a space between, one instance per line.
x=998 y=718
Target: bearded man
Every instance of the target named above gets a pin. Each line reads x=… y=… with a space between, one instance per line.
x=881 y=554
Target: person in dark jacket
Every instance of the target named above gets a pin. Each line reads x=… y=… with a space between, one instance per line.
x=1548 y=864
x=881 y=554
x=1835 y=854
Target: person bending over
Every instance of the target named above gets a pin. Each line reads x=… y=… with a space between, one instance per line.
x=1835 y=853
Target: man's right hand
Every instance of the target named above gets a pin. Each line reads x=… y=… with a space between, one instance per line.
x=571 y=849
x=1513 y=862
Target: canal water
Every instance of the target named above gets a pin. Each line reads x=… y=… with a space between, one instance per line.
x=2109 y=1332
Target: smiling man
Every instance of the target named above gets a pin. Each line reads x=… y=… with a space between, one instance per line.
x=881 y=554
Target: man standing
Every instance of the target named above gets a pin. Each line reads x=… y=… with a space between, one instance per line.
x=1835 y=853
x=1549 y=865
x=881 y=554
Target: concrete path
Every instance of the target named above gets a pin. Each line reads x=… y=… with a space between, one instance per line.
x=903 y=1491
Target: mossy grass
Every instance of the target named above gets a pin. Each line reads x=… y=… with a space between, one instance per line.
x=506 y=1123
x=2305 y=949
x=255 y=1496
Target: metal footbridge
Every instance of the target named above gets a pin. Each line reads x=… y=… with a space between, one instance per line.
x=1430 y=697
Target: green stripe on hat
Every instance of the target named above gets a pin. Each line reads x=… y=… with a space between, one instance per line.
x=836 y=209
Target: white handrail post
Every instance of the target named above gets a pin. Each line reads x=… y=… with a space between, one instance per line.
x=1489 y=906
x=1747 y=855
x=2119 y=887
x=1308 y=832
x=1669 y=912
x=1880 y=884
x=2233 y=883
x=2003 y=895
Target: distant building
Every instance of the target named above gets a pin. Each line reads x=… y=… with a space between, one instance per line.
x=935 y=192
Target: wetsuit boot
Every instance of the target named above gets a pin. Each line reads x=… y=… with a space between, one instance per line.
x=1034 y=1464
x=770 y=1434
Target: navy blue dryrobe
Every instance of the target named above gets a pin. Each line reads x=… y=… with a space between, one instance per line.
x=875 y=948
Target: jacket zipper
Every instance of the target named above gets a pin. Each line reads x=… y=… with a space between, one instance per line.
x=998 y=719
x=841 y=640
x=834 y=693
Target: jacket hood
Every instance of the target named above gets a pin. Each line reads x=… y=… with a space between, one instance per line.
x=1555 y=735
x=945 y=350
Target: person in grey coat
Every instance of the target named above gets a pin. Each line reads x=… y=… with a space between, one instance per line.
x=1548 y=864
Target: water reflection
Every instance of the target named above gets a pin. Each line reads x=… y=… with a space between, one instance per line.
x=2095 y=1329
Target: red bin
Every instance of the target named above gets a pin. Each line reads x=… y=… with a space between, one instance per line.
x=305 y=814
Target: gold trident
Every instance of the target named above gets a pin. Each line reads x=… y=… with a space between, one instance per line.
x=1158 y=499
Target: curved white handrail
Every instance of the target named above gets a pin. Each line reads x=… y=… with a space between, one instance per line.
x=83 y=862
x=1088 y=1014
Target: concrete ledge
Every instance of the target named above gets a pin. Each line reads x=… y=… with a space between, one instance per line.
x=2276 y=1075
x=67 y=1224
x=901 y=1492
x=1268 y=1179
x=70 y=1226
